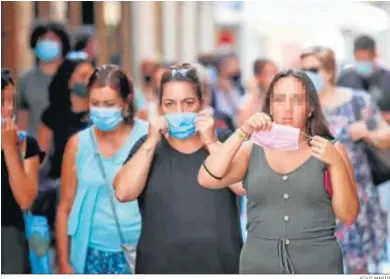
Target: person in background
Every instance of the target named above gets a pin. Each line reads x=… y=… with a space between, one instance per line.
x=226 y=93
x=50 y=43
x=87 y=235
x=20 y=156
x=153 y=97
x=208 y=60
x=147 y=90
x=368 y=75
x=185 y=229
x=221 y=119
x=84 y=41
x=291 y=209
x=363 y=241
x=67 y=112
x=264 y=71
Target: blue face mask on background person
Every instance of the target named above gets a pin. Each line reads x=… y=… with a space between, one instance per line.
x=80 y=90
x=106 y=119
x=318 y=81
x=364 y=68
x=47 y=50
x=181 y=125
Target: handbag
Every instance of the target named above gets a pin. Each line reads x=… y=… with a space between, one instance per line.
x=38 y=237
x=128 y=249
x=37 y=232
x=378 y=162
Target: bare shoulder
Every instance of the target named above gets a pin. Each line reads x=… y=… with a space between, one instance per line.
x=72 y=144
x=340 y=148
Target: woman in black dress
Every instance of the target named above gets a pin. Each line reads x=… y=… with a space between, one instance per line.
x=19 y=182
x=186 y=229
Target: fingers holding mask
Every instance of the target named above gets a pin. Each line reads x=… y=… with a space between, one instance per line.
x=323 y=150
x=262 y=122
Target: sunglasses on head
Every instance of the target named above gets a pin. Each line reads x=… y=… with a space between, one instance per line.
x=314 y=70
x=184 y=72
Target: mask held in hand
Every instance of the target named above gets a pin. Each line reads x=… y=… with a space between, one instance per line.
x=181 y=125
x=280 y=137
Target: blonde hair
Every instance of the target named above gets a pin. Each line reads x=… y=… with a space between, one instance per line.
x=327 y=58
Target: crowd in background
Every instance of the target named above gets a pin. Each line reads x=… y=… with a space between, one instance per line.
x=86 y=146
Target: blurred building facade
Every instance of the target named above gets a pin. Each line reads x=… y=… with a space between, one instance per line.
x=174 y=31
x=126 y=32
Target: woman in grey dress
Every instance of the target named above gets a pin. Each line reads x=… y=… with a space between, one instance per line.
x=291 y=213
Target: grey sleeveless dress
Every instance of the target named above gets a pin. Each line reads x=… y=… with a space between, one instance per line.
x=291 y=222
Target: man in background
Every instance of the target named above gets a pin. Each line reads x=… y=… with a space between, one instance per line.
x=366 y=74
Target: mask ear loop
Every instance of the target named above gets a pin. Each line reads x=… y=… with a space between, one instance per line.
x=306 y=135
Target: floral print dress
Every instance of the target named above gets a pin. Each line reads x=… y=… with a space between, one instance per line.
x=363 y=242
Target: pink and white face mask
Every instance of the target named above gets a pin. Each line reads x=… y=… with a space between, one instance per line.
x=280 y=137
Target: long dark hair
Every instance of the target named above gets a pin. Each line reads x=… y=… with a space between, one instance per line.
x=6 y=78
x=184 y=72
x=114 y=77
x=59 y=91
x=316 y=124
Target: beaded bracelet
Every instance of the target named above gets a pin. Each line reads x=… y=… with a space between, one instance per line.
x=242 y=135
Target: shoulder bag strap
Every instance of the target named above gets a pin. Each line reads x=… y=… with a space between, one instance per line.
x=108 y=185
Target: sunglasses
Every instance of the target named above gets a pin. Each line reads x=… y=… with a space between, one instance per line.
x=182 y=72
x=314 y=70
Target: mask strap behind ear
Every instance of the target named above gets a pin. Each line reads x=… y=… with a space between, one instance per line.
x=308 y=138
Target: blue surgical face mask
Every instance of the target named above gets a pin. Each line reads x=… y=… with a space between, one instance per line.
x=22 y=135
x=80 y=90
x=47 y=50
x=317 y=80
x=106 y=119
x=181 y=125
x=364 y=68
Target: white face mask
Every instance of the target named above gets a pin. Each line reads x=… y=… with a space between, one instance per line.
x=280 y=137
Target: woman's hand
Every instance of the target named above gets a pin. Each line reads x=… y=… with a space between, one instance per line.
x=65 y=268
x=358 y=131
x=325 y=151
x=9 y=135
x=157 y=124
x=205 y=125
x=256 y=123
